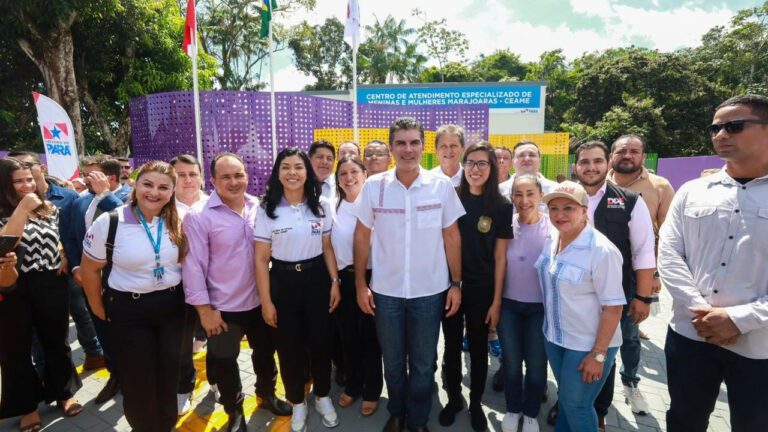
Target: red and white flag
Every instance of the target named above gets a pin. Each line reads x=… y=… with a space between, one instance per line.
x=352 y=28
x=190 y=30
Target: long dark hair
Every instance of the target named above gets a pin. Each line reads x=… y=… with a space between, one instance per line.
x=9 y=199
x=273 y=192
x=339 y=191
x=169 y=212
x=492 y=199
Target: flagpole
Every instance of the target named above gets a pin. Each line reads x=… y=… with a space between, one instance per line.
x=356 y=132
x=272 y=95
x=196 y=91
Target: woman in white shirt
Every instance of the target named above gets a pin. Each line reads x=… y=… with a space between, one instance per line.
x=360 y=345
x=580 y=276
x=301 y=289
x=141 y=298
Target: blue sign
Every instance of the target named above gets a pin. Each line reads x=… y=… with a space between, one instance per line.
x=519 y=97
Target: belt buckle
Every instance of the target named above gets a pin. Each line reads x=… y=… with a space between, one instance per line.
x=135 y=296
x=297 y=267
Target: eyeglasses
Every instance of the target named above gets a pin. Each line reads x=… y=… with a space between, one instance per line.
x=481 y=165
x=732 y=127
x=380 y=155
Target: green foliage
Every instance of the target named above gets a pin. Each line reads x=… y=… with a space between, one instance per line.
x=320 y=51
x=441 y=43
x=451 y=72
x=502 y=65
x=389 y=55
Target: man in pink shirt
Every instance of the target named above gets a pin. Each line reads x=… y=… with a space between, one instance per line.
x=220 y=282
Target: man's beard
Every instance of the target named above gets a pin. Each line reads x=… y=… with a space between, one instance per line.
x=624 y=170
x=596 y=182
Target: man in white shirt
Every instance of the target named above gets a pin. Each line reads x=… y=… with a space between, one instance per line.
x=449 y=146
x=412 y=216
x=712 y=252
x=504 y=161
x=526 y=158
x=322 y=156
x=376 y=157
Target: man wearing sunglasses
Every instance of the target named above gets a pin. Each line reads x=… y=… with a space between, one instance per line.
x=712 y=253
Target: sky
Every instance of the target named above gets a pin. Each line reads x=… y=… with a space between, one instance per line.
x=529 y=28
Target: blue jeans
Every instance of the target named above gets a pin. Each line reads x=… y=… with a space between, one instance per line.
x=522 y=339
x=408 y=331
x=576 y=397
x=695 y=371
x=86 y=333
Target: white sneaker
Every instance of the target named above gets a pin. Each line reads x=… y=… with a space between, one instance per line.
x=635 y=399
x=325 y=407
x=299 y=418
x=530 y=424
x=183 y=403
x=216 y=394
x=511 y=422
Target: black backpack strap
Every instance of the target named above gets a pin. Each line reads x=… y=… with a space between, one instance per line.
x=110 y=246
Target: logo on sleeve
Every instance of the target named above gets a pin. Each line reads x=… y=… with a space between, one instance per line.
x=316 y=227
x=616 y=203
x=88 y=240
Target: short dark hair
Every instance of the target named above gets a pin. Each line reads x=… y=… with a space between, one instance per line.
x=123 y=159
x=17 y=153
x=758 y=104
x=220 y=156
x=317 y=145
x=187 y=159
x=109 y=166
x=526 y=142
x=405 y=123
x=629 y=136
x=590 y=145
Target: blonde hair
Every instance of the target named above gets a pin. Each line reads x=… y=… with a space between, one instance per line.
x=168 y=212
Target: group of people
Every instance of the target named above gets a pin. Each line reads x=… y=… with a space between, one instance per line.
x=345 y=260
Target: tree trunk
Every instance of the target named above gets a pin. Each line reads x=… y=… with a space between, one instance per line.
x=52 y=53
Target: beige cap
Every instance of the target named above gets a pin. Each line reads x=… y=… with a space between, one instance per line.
x=570 y=190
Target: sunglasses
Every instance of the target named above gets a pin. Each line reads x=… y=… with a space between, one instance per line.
x=732 y=127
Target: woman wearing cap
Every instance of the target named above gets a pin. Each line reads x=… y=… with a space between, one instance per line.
x=522 y=309
x=580 y=275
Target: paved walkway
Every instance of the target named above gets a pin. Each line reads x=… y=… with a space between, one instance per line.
x=208 y=416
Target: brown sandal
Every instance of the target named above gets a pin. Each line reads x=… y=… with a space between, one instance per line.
x=346 y=400
x=368 y=408
x=74 y=409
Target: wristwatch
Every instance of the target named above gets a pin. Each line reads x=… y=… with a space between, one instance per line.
x=458 y=284
x=646 y=300
x=598 y=356
x=337 y=280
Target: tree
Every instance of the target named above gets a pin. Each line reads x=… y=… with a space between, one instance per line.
x=555 y=71
x=501 y=65
x=442 y=44
x=320 y=51
x=388 y=54
x=230 y=31
x=451 y=72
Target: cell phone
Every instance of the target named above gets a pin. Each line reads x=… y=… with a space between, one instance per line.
x=7 y=244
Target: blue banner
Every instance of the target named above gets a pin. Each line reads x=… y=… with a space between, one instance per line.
x=519 y=97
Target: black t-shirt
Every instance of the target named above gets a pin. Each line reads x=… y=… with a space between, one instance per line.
x=479 y=231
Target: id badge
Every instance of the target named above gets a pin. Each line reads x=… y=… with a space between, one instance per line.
x=158 y=276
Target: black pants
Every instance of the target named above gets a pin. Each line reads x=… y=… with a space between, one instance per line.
x=40 y=301
x=301 y=299
x=223 y=350
x=362 y=354
x=476 y=299
x=187 y=373
x=146 y=331
x=695 y=371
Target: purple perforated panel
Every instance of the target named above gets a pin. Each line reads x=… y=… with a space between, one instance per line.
x=163 y=124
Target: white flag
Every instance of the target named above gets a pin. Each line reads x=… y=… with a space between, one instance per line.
x=352 y=28
x=58 y=138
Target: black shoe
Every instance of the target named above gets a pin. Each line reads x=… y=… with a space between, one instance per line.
x=340 y=377
x=552 y=415
x=394 y=424
x=477 y=416
x=111 y=388
x=498 y=381
x=275 y=405
x=418 y=429
x=448 y=413
x=237 y=422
